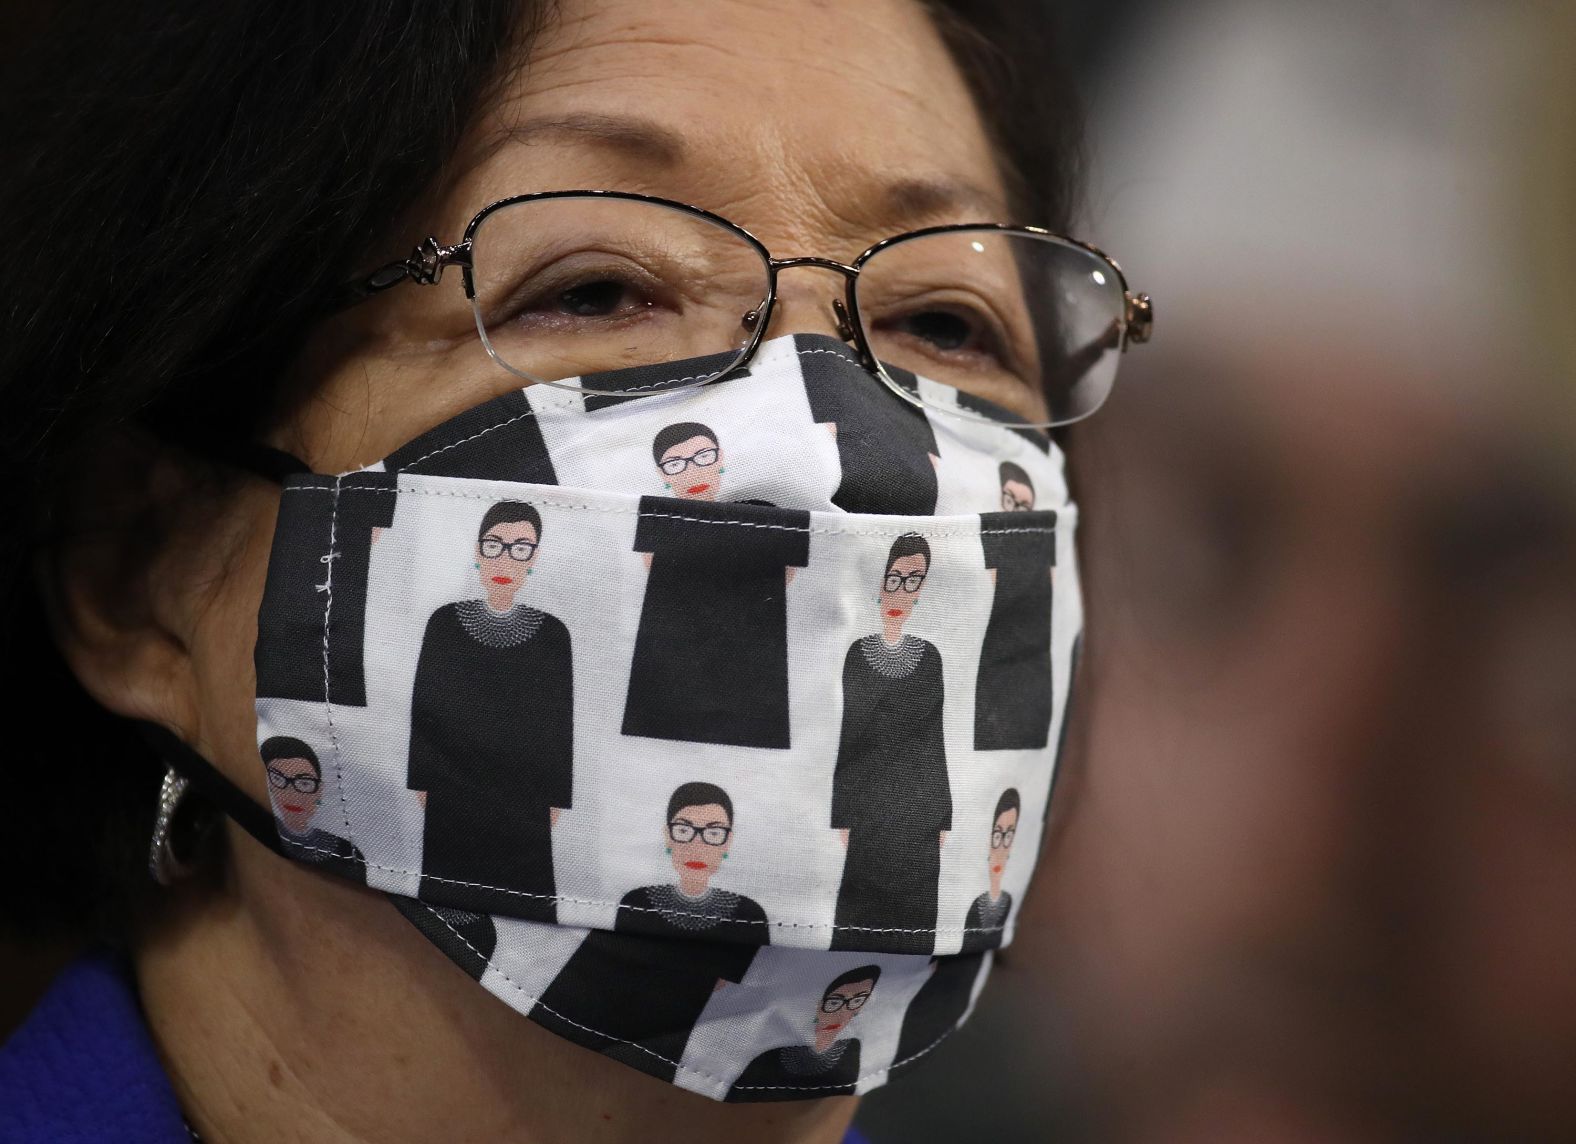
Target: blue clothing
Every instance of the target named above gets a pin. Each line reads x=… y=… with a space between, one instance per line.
x=82 y=1068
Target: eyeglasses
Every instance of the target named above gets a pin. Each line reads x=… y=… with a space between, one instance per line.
x=1000 y=838
x=673 y=466
x=1010 y=503
x=682 y=830
x=302 y=784
x=909 y=583
x=493 y=547
x=1024 y=325
x=854 y=1002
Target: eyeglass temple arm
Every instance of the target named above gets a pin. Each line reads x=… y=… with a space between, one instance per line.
x=424 y=266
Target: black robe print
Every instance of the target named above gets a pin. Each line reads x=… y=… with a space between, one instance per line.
x=492 y=744
x=636 y=993
x=643 y=380
x=467 y=939
x=777 y=1073
x=1012 y=704
x=984 y=922
x=711 y=654
x=1039 y=438
x=936 y=1009
x=296 y=602
x=890 y=791
x=325 y=851
x=884 y=444
x=499 y=440
x=719 y=915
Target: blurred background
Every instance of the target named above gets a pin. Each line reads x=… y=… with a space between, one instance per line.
x=1312 y=871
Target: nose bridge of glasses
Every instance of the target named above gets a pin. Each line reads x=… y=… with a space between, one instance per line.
x=842 y=324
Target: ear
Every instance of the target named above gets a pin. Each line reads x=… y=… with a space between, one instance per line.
x=138 y=571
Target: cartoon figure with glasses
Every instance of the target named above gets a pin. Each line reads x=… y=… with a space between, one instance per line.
x=891 y=798
x=295 y=788
x=1012 y=706
x=982 y=927
x=493 y=695
x=698 y=833
x=691 y=466
x=711 y=653
x=830 y=1063
x=640 y=989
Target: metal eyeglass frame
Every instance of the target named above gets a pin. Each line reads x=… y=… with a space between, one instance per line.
x=427 y=262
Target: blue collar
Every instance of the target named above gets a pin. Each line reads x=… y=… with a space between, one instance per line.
x=82 y=1068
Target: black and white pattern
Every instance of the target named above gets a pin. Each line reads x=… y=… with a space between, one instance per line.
x=500 y=757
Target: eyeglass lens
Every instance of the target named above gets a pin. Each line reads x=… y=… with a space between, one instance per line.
x=1021 y=328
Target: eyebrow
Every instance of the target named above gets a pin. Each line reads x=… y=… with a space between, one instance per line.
x=912 y=198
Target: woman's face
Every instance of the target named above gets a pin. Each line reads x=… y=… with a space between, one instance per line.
x=502 y=574
x=897 y=602
x=821 y=128
x=698 y=857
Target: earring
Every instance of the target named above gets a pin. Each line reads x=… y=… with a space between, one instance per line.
x=667 y=484
x=725 y=854
x=670 y=850
x=478 y=564
x=528 y=571
x=163 y=865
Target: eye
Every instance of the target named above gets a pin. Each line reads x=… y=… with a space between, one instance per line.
x=586 y=289
x=599 y=299
x=943 y=330
x=947 y=333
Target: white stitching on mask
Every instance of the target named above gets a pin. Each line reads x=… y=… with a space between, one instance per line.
x=678 y=1064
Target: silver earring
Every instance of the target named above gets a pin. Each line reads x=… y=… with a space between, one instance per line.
x=165 y=867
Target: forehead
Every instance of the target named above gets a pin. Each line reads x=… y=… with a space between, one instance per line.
x=809 y=123
x=1010 y=815
x=853 y=987
x=689 y=445
x=703 y=813
x=914 y=562
x=292 y=764
x=512 y=530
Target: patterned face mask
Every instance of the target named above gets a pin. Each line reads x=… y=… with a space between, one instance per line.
x=698 y=727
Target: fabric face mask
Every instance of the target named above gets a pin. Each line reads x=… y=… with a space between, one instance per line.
x=699 y=727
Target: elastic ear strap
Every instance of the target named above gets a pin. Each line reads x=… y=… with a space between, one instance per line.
x=213 y=786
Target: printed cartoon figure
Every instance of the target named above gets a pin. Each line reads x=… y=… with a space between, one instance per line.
x=492 y=733
x=885 y=445
x=941 y=1003
x=642 y=987
x=1012 y=706
x=891 y=799
x=690 y=461
x=1017 y=490
x=295 y=788
x=697 y=835
x=988 y=912
x=711 y=653
x=829 y=1064
x=321 y=554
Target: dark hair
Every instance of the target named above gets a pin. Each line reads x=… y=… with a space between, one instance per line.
x=510 y=512
x=700 y=794
x=1011 y=471
x=1008 y=801
x=909 y=544
x=870 y=973
x=671 y=435
x=198 y=178
x=284 y=747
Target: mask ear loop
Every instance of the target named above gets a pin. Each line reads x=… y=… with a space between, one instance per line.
x=207 y=781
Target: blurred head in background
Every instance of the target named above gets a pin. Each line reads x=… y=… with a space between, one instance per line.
x=1313 y=879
